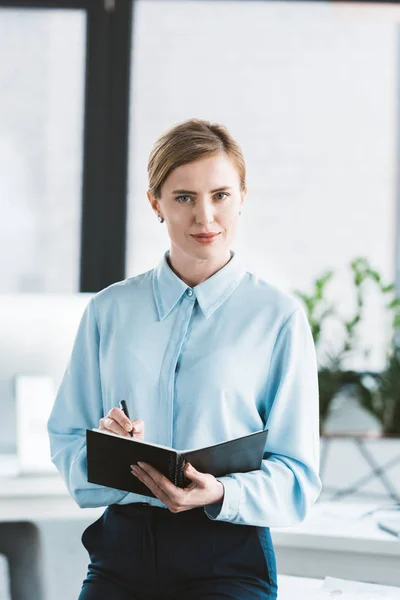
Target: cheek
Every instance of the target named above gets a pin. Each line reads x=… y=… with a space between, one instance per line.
x=229 y=218
x=178 y=223
x=176 y=219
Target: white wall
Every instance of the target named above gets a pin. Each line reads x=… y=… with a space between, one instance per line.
x=309 y=90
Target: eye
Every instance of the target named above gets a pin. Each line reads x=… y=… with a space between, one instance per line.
x=179 y=199
x=221 y=194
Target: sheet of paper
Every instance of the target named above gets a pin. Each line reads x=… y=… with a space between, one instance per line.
x=343 y=589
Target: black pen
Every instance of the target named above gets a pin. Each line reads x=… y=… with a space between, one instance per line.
x=124 y=409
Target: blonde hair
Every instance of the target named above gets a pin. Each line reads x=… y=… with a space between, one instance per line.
x=189 y=141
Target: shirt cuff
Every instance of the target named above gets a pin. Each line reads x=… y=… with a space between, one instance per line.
x=228 y=508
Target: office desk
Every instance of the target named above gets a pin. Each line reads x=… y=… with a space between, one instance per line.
x=332 y=541
x=335 y=541
x=38 y=498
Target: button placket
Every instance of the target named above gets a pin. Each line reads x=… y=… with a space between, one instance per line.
x=168 y=372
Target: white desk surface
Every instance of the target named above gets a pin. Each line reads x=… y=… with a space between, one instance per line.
x=338 y=526
x=39 y=497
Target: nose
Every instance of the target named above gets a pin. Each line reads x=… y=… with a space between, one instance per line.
x=203 y=212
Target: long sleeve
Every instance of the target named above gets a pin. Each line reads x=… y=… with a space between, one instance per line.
x=281 y=492
x=78 y=406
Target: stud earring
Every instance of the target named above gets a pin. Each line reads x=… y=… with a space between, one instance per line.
x=160 y=218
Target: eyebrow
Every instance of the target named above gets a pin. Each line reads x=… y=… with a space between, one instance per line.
x=220 y=189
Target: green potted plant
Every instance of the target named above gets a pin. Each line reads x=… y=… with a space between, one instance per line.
x=390 y=392
x=332 y=374
x=379 y=393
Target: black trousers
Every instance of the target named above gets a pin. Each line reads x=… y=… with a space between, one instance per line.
x=144 y=552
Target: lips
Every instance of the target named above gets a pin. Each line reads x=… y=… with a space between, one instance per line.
x=205 y=235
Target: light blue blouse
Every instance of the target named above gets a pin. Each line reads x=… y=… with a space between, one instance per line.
x=199 y=365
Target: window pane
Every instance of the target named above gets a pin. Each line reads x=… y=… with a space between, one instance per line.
x=309 y=89
x=41 y=125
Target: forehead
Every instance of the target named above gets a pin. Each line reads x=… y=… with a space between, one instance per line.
x=210 y=172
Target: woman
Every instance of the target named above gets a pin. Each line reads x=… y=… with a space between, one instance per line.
x=202 y=351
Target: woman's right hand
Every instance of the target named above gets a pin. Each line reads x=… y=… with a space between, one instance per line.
x=117 y=422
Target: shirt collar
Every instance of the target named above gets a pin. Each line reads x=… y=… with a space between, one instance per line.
x=210 y=294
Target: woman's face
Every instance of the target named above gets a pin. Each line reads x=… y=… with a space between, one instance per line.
x=201 y=197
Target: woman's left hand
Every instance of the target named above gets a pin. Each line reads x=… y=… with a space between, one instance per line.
x=204 y=489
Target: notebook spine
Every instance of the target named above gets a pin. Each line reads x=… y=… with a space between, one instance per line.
x=172 y=468
x=180 y=463
x=176 y=464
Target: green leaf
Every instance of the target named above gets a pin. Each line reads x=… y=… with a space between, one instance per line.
x=375 y=275
x=388 y=288
x=393 y=303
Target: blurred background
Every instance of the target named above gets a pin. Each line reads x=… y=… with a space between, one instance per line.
x=310 y=90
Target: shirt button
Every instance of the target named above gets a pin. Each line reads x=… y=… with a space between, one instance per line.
x=189 y=292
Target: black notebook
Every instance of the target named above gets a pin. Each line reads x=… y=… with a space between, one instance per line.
x=109 y=457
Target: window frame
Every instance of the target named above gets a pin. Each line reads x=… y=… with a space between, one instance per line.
x=105 y=137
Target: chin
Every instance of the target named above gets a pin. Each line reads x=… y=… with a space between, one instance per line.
x=200 y=251
x=208 y=253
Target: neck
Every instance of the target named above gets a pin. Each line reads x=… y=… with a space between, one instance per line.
x=194 y=271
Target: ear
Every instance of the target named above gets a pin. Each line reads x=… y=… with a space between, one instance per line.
x=154 y=203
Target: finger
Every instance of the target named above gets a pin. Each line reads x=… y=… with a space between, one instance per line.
x=138 y=427
x=195 y=476
x=118 y=415
x=158 y=491
x=110 y=425
x=173 y=492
